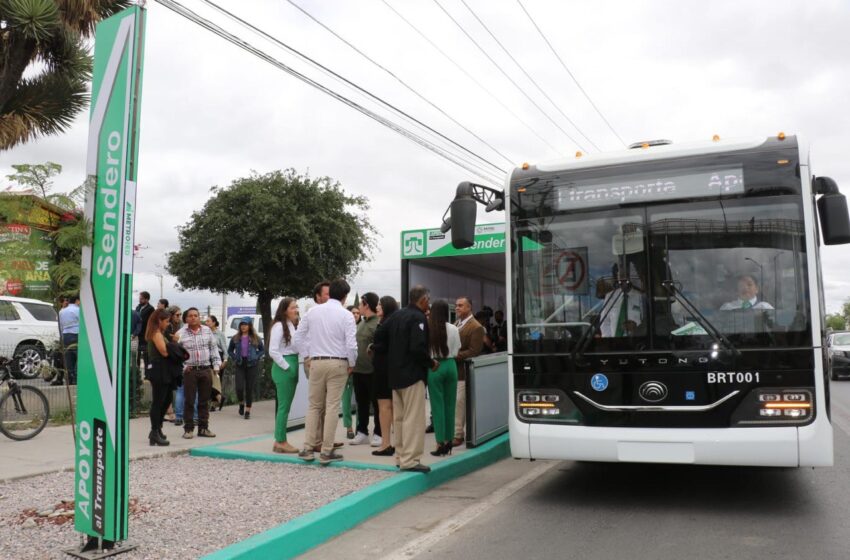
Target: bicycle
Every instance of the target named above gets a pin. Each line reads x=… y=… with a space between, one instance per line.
x=24 y=410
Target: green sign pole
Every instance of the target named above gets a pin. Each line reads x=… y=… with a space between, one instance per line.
x=102 y=460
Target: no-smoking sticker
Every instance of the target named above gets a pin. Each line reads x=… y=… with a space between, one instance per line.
x=570 y=269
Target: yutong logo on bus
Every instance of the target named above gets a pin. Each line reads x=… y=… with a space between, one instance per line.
x=656 y=361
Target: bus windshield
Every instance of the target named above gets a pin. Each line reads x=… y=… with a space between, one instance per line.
x=663 y=277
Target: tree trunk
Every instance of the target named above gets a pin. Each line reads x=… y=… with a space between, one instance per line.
x=264 y=306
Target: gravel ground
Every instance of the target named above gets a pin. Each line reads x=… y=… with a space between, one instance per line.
x=181 y=506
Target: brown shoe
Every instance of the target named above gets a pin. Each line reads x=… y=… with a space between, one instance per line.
x=337 y=445
x=284 y=447
x=457 y=442
x=205 y=432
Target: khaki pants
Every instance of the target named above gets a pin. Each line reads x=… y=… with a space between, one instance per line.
x=409 y=423
x=460 y=411
x=324 y=391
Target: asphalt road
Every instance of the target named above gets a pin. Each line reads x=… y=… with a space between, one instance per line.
x=609 y=511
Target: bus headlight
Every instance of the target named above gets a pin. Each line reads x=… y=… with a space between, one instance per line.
x=775 y=406
x=546 y=405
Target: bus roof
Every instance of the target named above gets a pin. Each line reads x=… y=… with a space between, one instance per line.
x=662 y=152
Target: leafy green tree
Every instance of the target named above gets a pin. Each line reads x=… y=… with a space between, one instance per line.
x=45 y=64
x=845 y=311
x=273 y=235
x=835 y=321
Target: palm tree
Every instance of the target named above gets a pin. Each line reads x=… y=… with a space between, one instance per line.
x=45 y=64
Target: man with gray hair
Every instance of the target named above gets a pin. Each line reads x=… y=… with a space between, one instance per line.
x=404 y=339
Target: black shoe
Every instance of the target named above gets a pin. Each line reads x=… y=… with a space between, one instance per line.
x=442 y=450
x=162 y=434
x=178 y=422
x=247 y=415
x=155 y=439
x=241 y=409
x=418 y=467
x=430 y=428
x=388 y=452
x=56 y=382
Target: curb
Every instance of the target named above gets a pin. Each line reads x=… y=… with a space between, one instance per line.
x=312 y=529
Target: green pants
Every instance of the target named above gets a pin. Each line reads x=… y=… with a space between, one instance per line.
x=285 y=381
x=442 y=388
x=346 y=404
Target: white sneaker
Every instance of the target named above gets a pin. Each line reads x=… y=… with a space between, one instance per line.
x=376 y=440
x=359 y=439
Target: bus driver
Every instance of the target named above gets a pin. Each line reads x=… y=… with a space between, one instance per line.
x=748 y=290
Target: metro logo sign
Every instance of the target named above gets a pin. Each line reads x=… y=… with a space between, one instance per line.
x=102 y=461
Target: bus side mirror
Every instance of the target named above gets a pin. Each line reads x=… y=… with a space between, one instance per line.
x=463 y=212
x=832 y=209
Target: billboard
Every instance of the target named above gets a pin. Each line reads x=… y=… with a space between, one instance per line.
x=102 y=462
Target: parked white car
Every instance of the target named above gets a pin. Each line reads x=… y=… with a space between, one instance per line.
x=232 y=326
x=28 y=329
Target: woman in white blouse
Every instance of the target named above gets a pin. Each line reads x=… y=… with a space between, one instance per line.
x=444 y=343
x=284 y=369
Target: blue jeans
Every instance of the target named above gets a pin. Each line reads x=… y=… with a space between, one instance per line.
x=69 y=339
x=179 y=401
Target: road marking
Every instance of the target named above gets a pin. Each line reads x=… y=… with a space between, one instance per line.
x=457 y=521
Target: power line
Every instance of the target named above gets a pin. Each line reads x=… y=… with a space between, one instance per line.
x=399 y=80
x=564 y=65
x=215 y=29
x=505 y=74
x=527 y=75
x=349 y=83
x=471 y=77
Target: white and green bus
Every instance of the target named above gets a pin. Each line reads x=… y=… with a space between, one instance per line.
x=665 y=303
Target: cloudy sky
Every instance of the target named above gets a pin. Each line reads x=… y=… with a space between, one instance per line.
x=212 y=112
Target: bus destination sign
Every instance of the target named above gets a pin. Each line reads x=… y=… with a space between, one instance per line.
x=644 y=187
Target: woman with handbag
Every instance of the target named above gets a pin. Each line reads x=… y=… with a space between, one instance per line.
x=284 y=357
x=158 y=373
x=381 y=382
x=245 y=349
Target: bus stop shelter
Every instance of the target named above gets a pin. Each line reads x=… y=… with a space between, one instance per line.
x=478 y=272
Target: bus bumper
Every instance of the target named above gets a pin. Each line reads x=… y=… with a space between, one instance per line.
x=774 y=446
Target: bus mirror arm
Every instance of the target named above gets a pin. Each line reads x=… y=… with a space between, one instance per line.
x=460 y=215
x=712 y=331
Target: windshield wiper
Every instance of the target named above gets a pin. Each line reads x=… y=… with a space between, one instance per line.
x=712 y=331
x=623 y=286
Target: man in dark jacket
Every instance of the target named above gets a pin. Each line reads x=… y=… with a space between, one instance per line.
x=144 y=309
x=405 y=342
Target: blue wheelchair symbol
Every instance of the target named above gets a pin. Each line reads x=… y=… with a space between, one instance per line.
x=599 y=382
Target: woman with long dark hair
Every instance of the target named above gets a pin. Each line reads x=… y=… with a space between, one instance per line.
x=444 y=344
x=284 y=355
x=245 y=349
x=387 y=305
x=158 y=374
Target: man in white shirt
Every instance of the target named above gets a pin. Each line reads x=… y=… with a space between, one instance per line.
x=327 y=336
x=626 y=315
x=748 y=291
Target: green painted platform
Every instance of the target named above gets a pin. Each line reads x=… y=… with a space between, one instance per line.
x=303 y=533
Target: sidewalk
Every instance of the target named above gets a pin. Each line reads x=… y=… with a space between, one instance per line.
x=53 y=449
